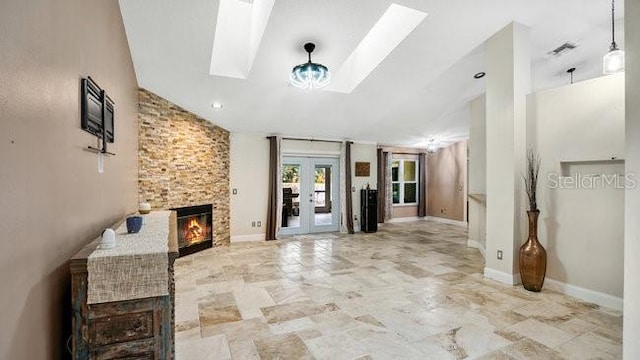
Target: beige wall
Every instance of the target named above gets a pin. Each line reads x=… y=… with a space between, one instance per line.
x=53 y=198
x=582 y=229
x=249 y=170
x=447 y=182
x=250 y=173
x=308 y=148
x=362 y=153
x=632 y=199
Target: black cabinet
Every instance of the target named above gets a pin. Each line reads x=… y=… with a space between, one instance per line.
x=369 y=210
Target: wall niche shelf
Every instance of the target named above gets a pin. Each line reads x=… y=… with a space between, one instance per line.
x=478 y=197
x=571 y=167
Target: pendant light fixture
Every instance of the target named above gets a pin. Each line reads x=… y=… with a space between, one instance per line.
x=310 y=75
x=570 y=72
x=613 y=61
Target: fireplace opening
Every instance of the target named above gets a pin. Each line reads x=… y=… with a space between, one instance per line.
x=195 y=225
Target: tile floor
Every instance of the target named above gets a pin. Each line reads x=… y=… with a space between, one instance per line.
x=319 y=220
x=409 y=291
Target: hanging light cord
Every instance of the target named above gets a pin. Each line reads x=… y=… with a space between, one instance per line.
x=614 y=46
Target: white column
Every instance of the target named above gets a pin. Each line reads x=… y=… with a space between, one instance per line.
x=632 y=196
x=508 y=83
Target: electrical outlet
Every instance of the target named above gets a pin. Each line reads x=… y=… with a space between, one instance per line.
x=499 y=254
x=259 y=223
x=253 y=224
x=235 y=191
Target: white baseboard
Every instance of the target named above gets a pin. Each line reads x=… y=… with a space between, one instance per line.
x=509 y=279
x=476 y=244
x=596 y=297
x=431 y=218
x=245 y=238
x=404 y=219
x=447 y=221
x=592 y=296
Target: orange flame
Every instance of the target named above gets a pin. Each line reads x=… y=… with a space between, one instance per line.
x=193 y=232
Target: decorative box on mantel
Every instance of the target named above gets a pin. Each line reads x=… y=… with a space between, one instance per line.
x=123 y=299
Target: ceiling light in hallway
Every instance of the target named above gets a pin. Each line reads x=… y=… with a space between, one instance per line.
x=432 y=146
x=613 y=61
x=217 y=105
x=310 y=75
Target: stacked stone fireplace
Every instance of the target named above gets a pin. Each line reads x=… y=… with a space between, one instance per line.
x=183 y=161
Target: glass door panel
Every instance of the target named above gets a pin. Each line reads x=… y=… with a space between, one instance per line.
x=310 y=195
x=322 y=195
x=294 y=211
x=326 y=195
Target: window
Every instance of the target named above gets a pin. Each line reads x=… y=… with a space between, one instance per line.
x=404 y=180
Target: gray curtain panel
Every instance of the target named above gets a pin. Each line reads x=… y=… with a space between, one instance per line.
x=349 y=193
x=274 y=206
x=422 y=183
x=381 y=185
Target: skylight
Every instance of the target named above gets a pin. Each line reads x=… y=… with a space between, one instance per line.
x=239 y=31
x=390 y=30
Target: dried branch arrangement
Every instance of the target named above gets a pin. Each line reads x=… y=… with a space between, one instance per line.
x=531 y=178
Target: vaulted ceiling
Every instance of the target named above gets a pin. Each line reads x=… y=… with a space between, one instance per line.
x=419 y=91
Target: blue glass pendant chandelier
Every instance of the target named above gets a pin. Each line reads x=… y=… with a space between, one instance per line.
x=310 y=75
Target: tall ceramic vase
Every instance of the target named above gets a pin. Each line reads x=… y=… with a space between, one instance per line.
x=533 y=257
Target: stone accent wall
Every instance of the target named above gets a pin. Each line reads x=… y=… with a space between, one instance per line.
x=183 y=160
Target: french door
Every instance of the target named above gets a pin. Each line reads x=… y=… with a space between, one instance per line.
x=310 y=194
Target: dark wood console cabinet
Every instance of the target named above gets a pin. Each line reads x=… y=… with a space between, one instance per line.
x=131 y=329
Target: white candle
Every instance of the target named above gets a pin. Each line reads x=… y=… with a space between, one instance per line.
x=108 y=239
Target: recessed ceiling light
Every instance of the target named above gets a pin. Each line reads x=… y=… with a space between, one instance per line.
x=217 y=105
x=479 y=75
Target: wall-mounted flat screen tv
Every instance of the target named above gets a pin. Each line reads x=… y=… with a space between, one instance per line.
x=91 y=107
x=107 y=119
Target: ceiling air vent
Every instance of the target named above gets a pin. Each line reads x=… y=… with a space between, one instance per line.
x=562 y=49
